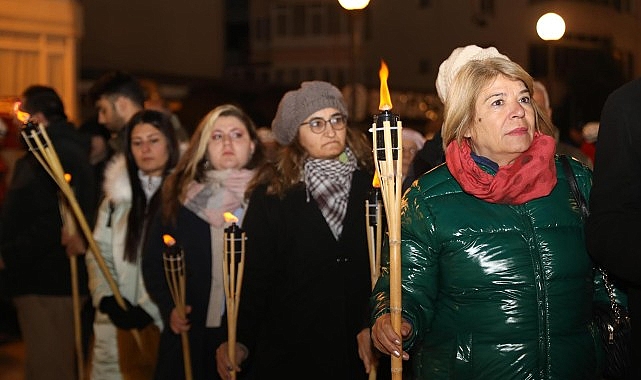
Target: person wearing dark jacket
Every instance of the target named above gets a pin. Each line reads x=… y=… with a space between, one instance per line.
x=37 y=266
x=210 y=179
x=496 y=279
x=615 y=202
x=307 y=279
x=427 y=158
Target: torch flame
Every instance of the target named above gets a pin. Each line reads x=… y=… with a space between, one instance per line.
x=169 y=240
x=376 y=182
x=386 y=100
x=230 y=218
x=68 y=177
x=22 y=116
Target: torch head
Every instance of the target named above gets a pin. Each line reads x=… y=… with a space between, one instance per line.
x=31 y=132
x=234 y=237
x=172 y=249
x=380 y=125
x=385 y=119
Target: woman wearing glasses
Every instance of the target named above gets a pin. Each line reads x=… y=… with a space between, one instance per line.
x=306 y=282
x=209 y=180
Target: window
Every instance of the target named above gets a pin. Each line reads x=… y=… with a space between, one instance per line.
x=295 y=76
x=262 y=29
x=424 y=67
x=315 y=13
x=281 y=21
x=298 y=21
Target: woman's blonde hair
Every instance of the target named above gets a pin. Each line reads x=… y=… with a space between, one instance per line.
x=193 y=164
x=472 y=78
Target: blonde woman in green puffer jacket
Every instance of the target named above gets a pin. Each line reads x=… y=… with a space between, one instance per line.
x=496 y=279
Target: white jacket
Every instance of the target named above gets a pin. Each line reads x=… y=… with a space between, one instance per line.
x=109 y=233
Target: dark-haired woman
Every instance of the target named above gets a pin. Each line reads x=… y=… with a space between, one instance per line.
x=132 y=179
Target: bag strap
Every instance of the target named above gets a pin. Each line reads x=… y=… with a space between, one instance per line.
x=574 y=186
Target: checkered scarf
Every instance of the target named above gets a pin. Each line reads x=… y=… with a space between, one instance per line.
x=329 y=182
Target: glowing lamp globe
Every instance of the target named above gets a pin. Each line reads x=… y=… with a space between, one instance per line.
x=353 y=4
x=550 y=27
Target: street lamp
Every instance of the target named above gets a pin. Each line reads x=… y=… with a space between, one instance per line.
x=355 y=8
x=350 y=5
x=551 y=27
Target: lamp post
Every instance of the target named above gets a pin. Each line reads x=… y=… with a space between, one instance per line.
x=354 y=7
x=551 y=27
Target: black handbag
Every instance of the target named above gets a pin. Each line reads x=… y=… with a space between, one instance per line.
x=611 y=319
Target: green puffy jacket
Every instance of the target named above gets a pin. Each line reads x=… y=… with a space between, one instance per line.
x=496 y=291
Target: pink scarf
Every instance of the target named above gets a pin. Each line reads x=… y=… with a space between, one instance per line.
x=223 y=191
x=532 y=175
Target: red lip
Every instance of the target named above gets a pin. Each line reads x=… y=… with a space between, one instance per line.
x=518 y=131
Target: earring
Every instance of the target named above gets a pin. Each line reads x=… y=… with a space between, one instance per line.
x=206 y=165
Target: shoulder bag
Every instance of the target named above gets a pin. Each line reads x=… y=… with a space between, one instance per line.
x=612 y=320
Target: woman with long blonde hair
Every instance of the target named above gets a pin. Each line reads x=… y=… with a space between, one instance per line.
x=210 y=179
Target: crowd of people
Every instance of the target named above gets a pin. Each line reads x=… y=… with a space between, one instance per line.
x=498 y=277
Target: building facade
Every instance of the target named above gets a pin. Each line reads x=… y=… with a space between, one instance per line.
x=38 y=45
x=295 y=40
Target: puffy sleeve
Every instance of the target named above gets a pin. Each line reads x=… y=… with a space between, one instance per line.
x=419 y=271
x=103 y=235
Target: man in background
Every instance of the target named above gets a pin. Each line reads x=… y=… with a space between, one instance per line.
x=612 y=230
x=35 y=246
x=542 y=99
x=117 y=96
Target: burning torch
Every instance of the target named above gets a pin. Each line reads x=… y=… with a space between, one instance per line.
x=174 y=265
x=387 y=140
x=233 y=266
x=39 y=144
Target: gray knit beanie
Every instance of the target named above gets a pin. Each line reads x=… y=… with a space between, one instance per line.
x=297 y=105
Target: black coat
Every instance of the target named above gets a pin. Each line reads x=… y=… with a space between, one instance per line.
x=304 y=296
x=36 y=262
x=615 y=202
x=427 y=158
x=193 y=235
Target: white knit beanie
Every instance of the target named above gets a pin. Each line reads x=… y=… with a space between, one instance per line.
x=459 y=57
x=297 y=105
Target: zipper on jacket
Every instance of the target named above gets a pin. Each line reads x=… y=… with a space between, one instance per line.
x=541 y=290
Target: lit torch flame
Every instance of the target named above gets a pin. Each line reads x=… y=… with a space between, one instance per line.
x=22 y=116
x=169 y=240
x=68 y=177
x=230 y=218
x=376 y=182
x=386 y=100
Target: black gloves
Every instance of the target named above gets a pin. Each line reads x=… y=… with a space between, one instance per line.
x=132 y=318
